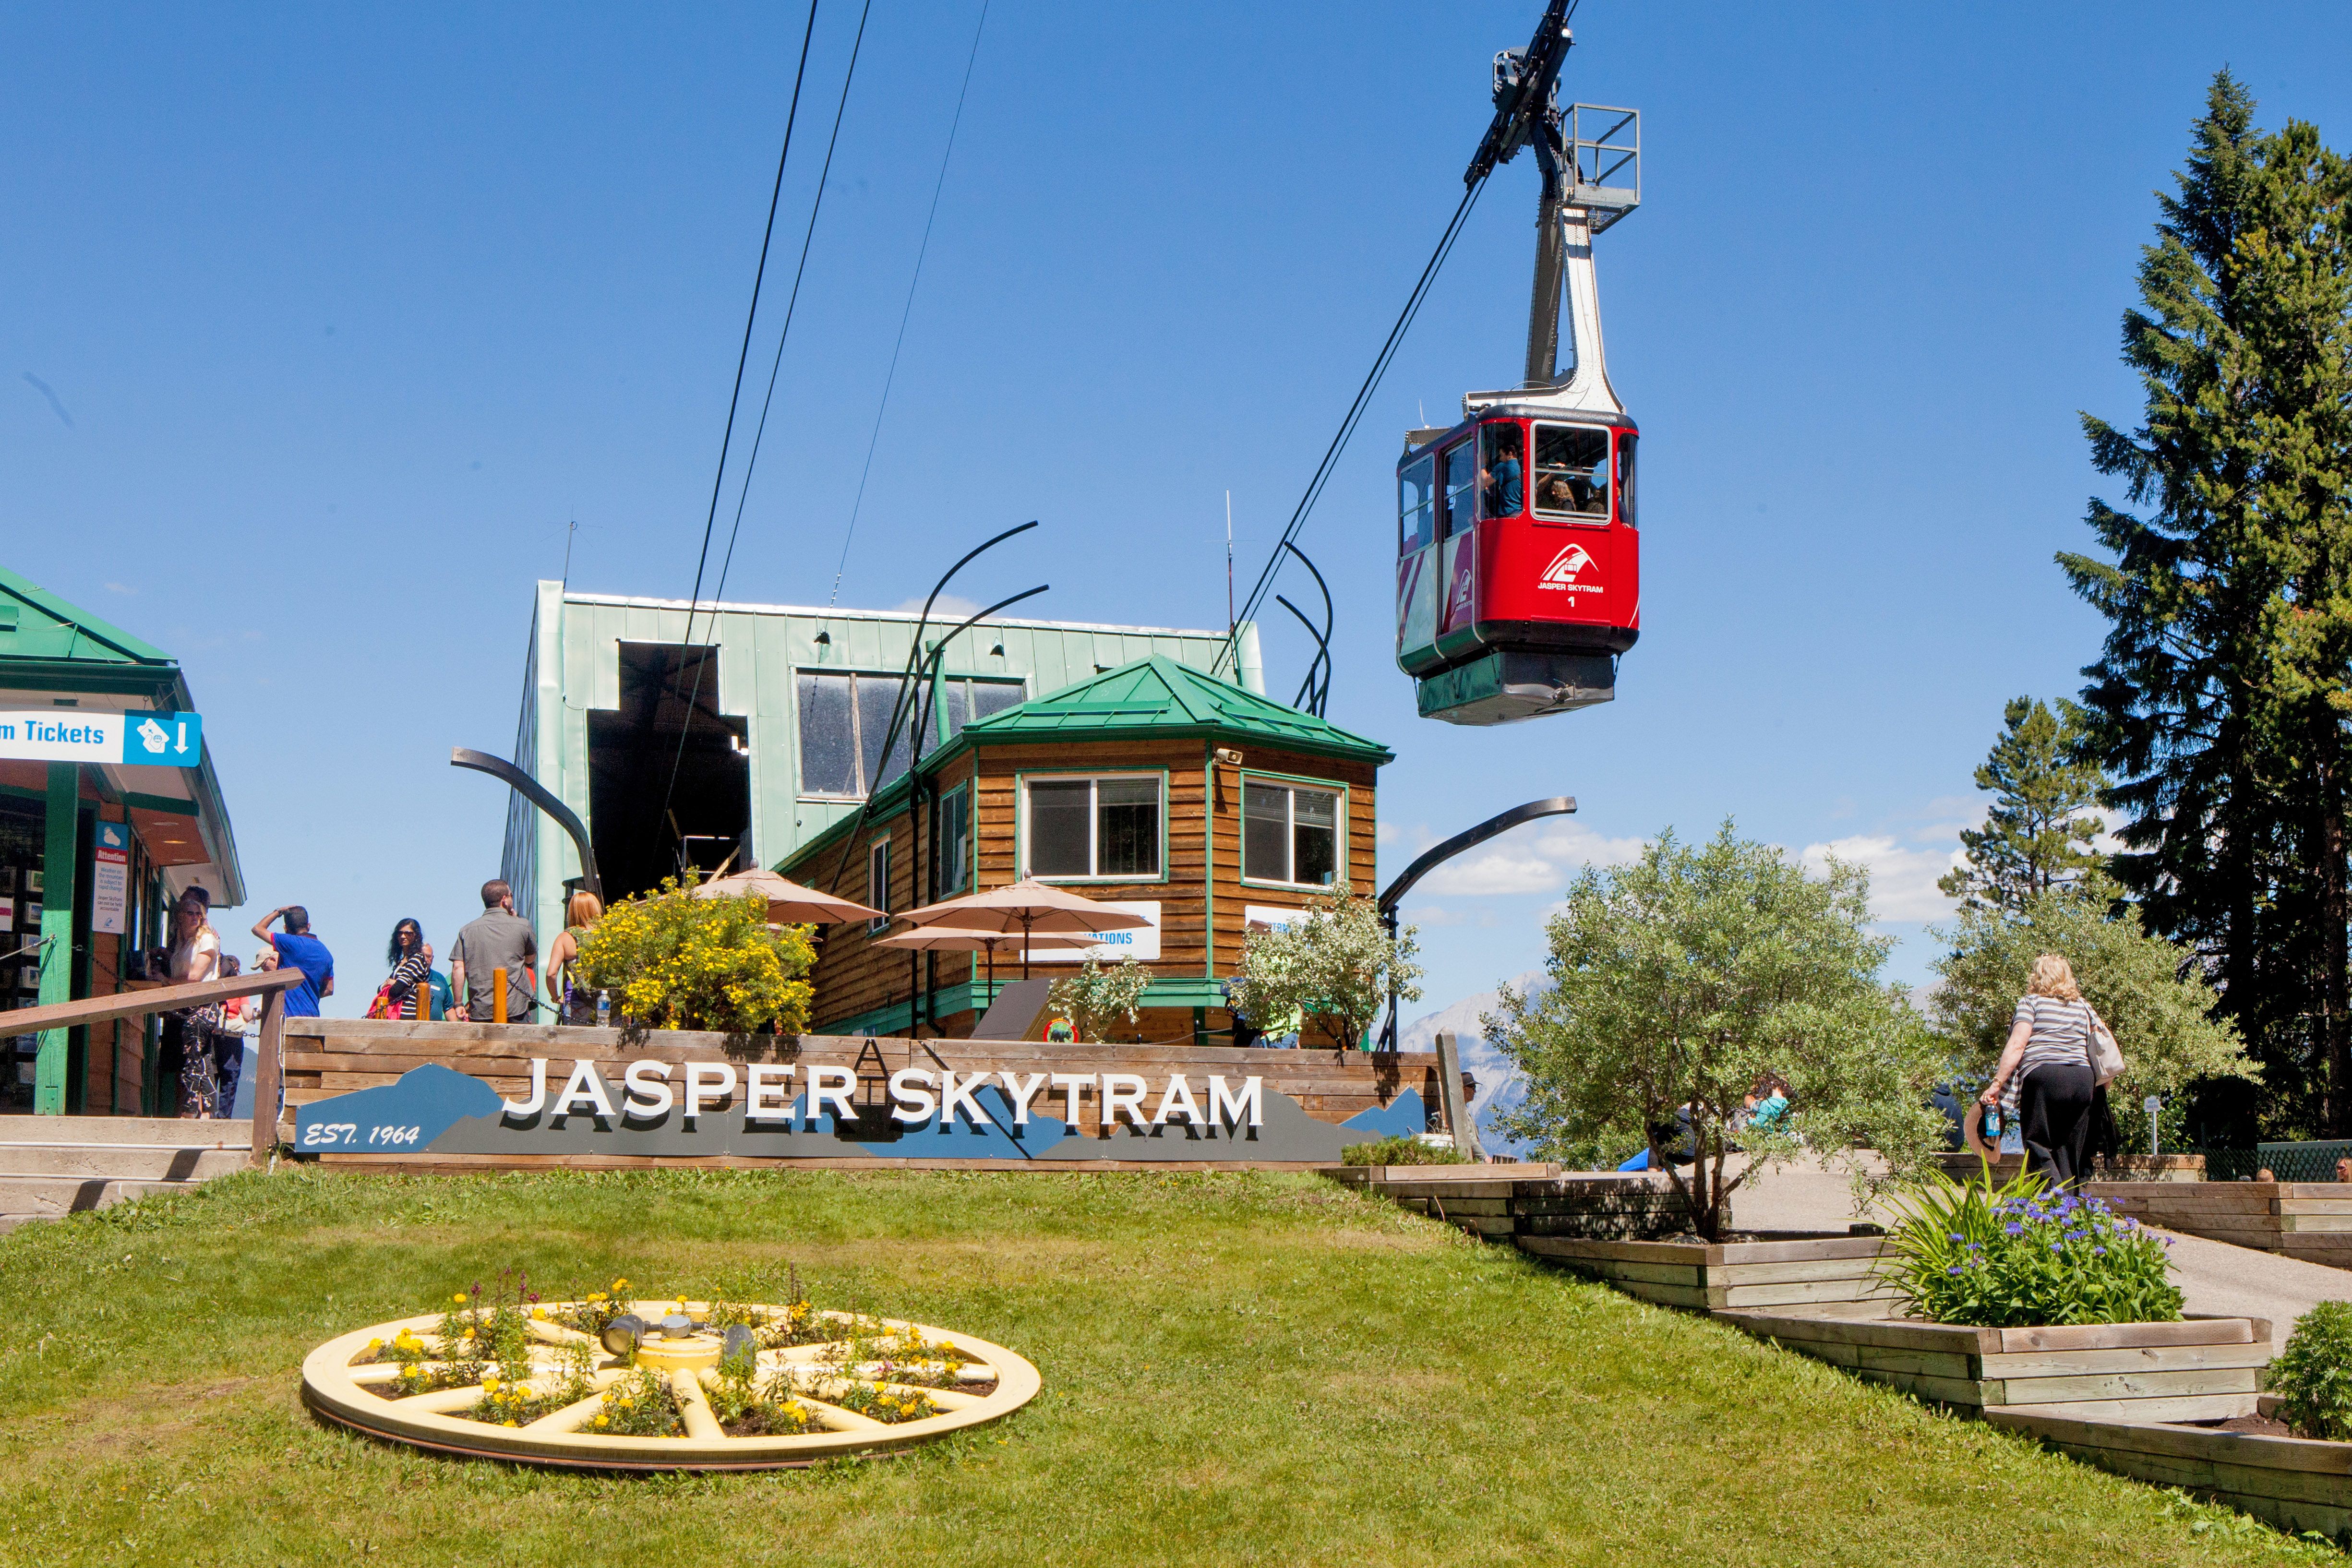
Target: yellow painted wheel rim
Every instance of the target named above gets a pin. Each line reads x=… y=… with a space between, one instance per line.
x=329 y=1388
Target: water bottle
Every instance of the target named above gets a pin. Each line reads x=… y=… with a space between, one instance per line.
x=1992 y=1124
x=603 y=1009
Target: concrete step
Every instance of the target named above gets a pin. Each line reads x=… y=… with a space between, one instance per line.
x=131 y=1162
x=25 y=1197
x=170 y=1131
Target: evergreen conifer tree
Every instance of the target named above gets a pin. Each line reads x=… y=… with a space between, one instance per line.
x=2220 y=700
x=2037 y=836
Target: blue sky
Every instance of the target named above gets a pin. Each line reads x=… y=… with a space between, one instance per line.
x=344 y=315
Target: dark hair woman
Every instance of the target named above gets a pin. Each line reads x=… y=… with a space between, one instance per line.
x=412 y=966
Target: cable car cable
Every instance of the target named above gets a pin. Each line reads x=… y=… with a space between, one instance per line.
x=743 y=356
x=790 y=305
x=1356 y=411
x=920 y=251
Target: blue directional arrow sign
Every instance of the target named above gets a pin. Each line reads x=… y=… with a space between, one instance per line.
x=74 y=735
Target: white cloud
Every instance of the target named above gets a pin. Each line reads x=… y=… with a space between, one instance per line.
x=946 y=607
x=120 y=588
x=1537 y=857
x=1434 y=914
x=1386 y=833
x=1902 y=878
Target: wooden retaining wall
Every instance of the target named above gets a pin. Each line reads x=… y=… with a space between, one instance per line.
x=2202 y=1369
x=326 y=1057
x=1829 y=1275
x=1504 y=1203
x=2297 y=1220
x=2292 y=1482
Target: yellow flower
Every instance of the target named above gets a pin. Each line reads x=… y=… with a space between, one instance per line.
x=523 y=1391
x=539 y=1312
x=595 y=1295
x=491 y=1381
x=460 y=1297
x=374 y=1345
x=602 y=1420
x=620 y=1284
x=510 y=1422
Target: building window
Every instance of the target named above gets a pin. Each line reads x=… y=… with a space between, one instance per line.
x=952 y=841
x=1094 y=827
x=844 y=716
x=1289 y=834
x=877 y=882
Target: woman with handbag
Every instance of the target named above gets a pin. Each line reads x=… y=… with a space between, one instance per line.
x=184 y=1064
x=412 y=965
x=2058 y=1053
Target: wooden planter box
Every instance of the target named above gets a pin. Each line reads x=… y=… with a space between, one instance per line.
x=2292 y=1482
x=2202 y=1369
x=1503 y=1203
x=2309 y=1219
x=1821 y=1272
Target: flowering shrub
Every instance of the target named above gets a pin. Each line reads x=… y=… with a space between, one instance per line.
x=594 y=1310
x=676 y=961
x=2019 y=1256
x=1336 y=963
x=518 y=1401
x=2312 y=1375
x=642 y=1405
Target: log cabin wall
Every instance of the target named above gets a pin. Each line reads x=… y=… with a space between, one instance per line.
x=1206 y=743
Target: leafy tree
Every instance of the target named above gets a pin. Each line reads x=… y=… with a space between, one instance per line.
x=2036 y=837
x=1678 y=980
x=676 y=961
x=1335 y=964
x=1095 y=996
x=2159 y=1004
x=2221 y=699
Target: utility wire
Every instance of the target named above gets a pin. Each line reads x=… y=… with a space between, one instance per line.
x=758 y=434
x=940 y=185
x=1355 y=414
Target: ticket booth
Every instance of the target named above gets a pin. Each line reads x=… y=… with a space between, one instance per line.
x=110 y=810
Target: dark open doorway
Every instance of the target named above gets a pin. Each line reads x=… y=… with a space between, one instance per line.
x=632 y=750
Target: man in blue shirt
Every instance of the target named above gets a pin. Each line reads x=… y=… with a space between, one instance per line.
x=298 y=948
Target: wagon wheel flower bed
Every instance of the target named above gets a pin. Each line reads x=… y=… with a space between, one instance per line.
x=614 y=1380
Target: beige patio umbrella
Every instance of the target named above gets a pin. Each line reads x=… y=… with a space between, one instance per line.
x=1028 y=906
x=954 y=939
x=789 y=903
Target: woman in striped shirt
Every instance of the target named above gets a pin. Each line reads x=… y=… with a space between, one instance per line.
x=2044 y=1080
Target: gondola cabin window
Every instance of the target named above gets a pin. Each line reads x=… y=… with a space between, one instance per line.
x=1106 y=828
x=1461 y=485
x=1572 y=472
x=1502 y=470
x=1416 y=507
x=1289 y=834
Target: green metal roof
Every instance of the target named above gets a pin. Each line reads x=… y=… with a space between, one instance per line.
x=1158 y=697
x=1152 y=698
x=46 y=641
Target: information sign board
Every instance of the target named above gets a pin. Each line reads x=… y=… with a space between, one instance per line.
x=71 y=735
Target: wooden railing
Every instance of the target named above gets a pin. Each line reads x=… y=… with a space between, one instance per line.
x=270 y=986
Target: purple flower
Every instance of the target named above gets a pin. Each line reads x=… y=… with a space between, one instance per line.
x=1953 y=1270
x=2098 y=1251
x=1958 y=1239
x=2014 y=1228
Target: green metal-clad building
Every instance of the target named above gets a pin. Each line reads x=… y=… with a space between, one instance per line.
x=736 y=740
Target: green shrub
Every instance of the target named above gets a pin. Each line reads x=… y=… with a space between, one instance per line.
x=1402 y=1151
x=2017 y=1257
x=2312 y=1375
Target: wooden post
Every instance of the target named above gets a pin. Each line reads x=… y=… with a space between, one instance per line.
x=497 y=995
x=267 y=1073
x=1449 y=1095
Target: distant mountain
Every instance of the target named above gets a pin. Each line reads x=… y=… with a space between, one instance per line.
x=1500 y=1087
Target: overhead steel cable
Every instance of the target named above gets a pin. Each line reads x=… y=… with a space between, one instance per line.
x=759 y=435
x=1356 y=410
x=743 y=355
x=920 y=251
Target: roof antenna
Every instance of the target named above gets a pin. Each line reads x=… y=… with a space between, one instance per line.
x=569 y=529
x=1229 y=563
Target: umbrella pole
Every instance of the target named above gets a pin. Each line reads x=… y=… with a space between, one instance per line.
x=1025 y=918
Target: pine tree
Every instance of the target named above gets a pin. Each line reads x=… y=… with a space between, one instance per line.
x=2221 y=699
x=2036 y=837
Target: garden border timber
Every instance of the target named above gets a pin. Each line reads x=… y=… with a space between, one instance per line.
x=1826 y=1273
x=2308 y=1219
x=2197 y=1369
x=1504 y=1203
x=2296 y=1483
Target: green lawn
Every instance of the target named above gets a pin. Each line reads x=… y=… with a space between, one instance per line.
x=1238 y=1369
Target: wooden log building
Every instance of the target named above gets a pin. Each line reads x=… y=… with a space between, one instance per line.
x=1200 y=805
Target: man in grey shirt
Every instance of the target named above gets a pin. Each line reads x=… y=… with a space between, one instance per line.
x=500 y=939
